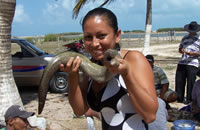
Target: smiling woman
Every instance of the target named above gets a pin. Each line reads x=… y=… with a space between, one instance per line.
x=129 y=87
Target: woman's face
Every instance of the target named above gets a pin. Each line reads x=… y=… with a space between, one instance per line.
x=99 y=36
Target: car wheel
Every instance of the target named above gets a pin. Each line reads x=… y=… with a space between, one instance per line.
x=59 y=83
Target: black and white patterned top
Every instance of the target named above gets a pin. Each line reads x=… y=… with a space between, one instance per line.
x=114 y=104
x=190 y=44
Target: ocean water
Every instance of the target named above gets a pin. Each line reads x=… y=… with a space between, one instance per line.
x=142 y=35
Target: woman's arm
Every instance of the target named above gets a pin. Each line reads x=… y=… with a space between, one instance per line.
x=77 y=95
x=140 y=84
x=139 y=80
x=77 y=92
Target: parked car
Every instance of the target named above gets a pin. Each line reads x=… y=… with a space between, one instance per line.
x=28 y=64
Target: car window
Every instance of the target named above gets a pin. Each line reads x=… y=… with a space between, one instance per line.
x=18 y=51
x=26 y=53
x=32 y=47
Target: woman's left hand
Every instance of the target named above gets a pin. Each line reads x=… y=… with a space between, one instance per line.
x=121 y=69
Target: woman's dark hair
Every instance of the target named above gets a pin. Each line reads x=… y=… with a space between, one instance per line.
x=109 y=15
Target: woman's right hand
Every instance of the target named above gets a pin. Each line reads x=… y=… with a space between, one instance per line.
x=72 y=65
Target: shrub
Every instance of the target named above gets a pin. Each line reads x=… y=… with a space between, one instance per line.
x=30 y=39
x=50 y=37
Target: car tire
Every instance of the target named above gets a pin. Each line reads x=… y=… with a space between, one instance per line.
x=59 y=83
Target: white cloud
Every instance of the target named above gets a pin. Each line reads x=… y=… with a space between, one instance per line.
x=117 y=5
x=58 y=12
x=174 y=13
x=53 y=13
x=185 y=3
x=123 y=5
x=20 y=16
x=67 y=4
x=175 y=6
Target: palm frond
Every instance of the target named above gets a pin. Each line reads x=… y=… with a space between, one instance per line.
x=79 y=5
x=104 y=3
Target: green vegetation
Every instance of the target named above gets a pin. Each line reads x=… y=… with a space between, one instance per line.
x=63 y=37
x=50 y=37
x=159 y=30
x=30 y=39
x=70 y=33
x=168 y=29
x=137 y=31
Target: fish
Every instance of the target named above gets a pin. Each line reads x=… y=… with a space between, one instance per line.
x=96 y=72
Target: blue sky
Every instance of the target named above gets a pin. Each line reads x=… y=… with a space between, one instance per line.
x=41 y=17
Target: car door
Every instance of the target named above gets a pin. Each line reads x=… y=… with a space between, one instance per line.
x=27 y=67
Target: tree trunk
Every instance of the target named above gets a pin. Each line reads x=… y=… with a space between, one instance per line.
x=8 y=91
x=148 y=28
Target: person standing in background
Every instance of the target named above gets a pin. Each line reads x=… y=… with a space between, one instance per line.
x=187 y=67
